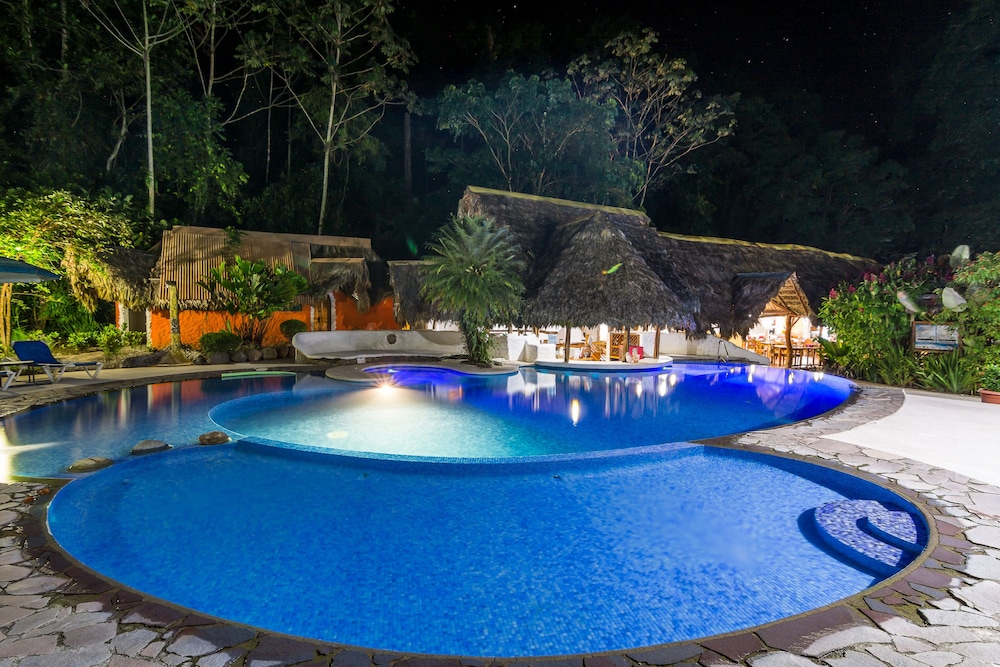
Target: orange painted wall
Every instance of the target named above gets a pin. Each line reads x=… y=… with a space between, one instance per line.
x=194 y=323
x=378 y=317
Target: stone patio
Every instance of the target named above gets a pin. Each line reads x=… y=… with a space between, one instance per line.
x=943 y=610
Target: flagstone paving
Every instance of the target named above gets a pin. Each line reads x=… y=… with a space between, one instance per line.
x=943 y=610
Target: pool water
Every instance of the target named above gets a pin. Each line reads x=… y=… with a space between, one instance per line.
x=422 y=413
x=562 y=556
x=543 y=513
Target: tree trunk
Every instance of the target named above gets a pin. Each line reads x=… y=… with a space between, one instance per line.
x=175 y=319
x=407 y=160
x=150 y=175
x=6 y=290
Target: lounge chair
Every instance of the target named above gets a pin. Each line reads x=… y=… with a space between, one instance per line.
x=40 y=356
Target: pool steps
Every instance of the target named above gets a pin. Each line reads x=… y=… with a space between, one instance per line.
x=880 y=537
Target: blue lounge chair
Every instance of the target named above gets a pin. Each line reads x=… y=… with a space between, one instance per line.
x=40 y=356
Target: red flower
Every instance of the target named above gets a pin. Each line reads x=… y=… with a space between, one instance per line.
x=833 y=294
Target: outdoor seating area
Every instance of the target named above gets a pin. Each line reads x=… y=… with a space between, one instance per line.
x=805 y=354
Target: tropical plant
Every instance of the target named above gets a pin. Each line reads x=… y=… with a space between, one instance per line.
x=979 y=321
x=59 y=232
x=989 y=377
x=473 y=275
x=253 y=291
x=78 y=341
x=896 y=367
x=950 y=372
x=835 y=353
x=217 y=342
x=873 y=316
x=113 y=339
x=289 y=328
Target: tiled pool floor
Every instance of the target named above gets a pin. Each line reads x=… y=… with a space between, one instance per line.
x=943 y=610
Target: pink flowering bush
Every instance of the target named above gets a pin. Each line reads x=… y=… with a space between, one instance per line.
x=872 y=323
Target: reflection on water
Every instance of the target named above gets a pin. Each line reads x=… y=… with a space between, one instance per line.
x=535 y=412
x=425 y=413
x=43 y=442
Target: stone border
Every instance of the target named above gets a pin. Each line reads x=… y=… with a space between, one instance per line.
x=942 y=610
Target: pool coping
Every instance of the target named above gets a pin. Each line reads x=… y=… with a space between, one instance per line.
x=937 y=604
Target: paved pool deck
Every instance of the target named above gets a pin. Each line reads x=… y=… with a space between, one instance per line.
x=944 y=609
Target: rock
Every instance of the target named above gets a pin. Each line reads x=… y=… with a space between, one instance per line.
x=238 y=357
x=213 y=438
x=219 y=358
x=254 y=355
x=89 y=463
x=149 y=446
x=269 y=353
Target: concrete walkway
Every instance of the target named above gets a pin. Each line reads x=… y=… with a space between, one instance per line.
x=943 y=610
x=952 y=432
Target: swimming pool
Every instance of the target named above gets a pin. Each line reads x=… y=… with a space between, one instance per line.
x=563 y=556
x=600 y=538
x=419 y=412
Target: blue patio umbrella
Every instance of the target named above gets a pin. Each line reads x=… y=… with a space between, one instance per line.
x=16 y=271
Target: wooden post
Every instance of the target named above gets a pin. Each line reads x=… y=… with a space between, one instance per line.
x=624 y=349
x=656 y=345
x=788 y=341
x=569 y=335
x=175 y=318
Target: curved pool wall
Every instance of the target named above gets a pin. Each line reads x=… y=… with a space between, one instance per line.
x=567 y=555
x=422 y=412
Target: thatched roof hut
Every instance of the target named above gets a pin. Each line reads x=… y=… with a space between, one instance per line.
x=533 y=221
x=188 y=254
x=409 y=305
x=757 y=295
x=711 y=266
x=702 y=272
x=117 y=274
x=594 y=276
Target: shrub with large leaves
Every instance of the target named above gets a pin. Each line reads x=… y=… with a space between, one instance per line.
x=254 y=291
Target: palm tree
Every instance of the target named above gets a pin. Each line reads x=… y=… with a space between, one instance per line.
x=473 y=275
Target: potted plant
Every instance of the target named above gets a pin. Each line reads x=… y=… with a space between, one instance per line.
x=989 y=383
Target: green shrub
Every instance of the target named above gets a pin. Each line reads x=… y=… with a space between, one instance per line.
x=78 y=341
x=896 y=367
x=950 y=372
x=989 y=377
x=870 y=319
x=289 y=328
x=220 y=341
x=113 y=340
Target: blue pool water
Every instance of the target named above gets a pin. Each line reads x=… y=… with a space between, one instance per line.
x=543 y=513
x=561 y=556
x=416 y=412
x=429 y=414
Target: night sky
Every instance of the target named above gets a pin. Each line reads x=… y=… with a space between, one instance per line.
x=851 y=53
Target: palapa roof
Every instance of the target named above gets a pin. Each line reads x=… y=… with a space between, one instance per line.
x=703 y=273
x=532 y=221
x=711 y=265
x=117 y=274
x=409 y=305
x=595 y=276
x=756 y=295
x=328 y=263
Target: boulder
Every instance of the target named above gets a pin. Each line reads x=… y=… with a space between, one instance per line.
x=269 y=353
x=254 y=355
x=213 y=438
x=238 y=357
x=149 y=446
x=89 y=463
x=219 y=358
